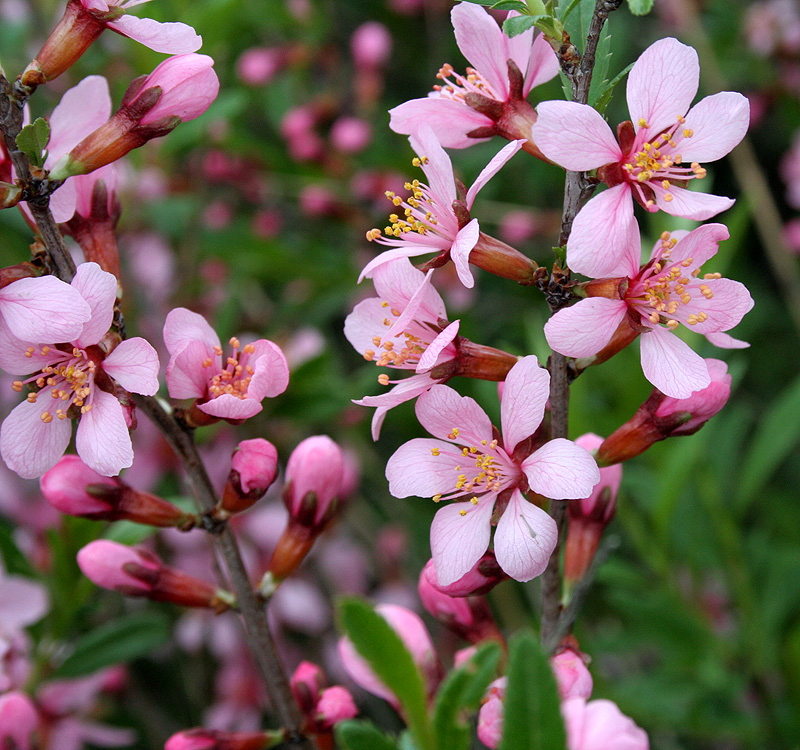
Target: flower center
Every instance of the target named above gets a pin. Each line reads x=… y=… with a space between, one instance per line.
x=234 y=379
x=456 y=86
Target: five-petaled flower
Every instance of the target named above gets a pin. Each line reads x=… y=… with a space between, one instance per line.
x=79 y=376
x=654 y=300
x=659 y=150
x=468 y=463
x=232 y=388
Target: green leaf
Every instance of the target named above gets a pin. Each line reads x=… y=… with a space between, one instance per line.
x=604 y=96
x=32 y=141
x=13 y=560
x=640 y=7
x=122 y=640
x=602 y=60
x=463 y=689
x=516 y=5
x=361 y=735
x=532 y=706
x=518 y=25
x=479 y=2
x=376 y=641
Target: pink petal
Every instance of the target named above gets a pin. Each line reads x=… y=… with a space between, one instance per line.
x=599 y=725
x=458 y=542
x=271 y=376
x=465 y=241
x=603 y=233
x=700 y=244
x=413 y=470
x=670 y=365
x=99 y=289
x=134 y=365
x=730 y=303
x=64 y=201
x=83 y=188
x=661 y=86
x=102 y=438
x=228 y=406
x=402 y=392
x=483 y=43
x=585 y=328
x=43 y=309
x=186 y=376
x=170 y=38
x=441 y=409
x=525 y=538
x=183 y=326
x=399 y=281
x=364 y=323
x=575 y=136
x=492 y=168
x=689 y=204
x=12 y=354
x=438 y=169
x=22 y=602
x=725 y=341
x=28 y=445
x=430 y=357
x=407 y=315
x=82 y=109
x=543 y=64
x=561 y=470
x=449 y=120
x=407 y=250
x=719 y=123
x=527 y=388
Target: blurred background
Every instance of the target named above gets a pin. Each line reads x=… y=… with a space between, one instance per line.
x=255 y=215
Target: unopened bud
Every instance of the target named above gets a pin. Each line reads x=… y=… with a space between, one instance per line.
x=478 y=362
x=502 y=260
x=210 y=739
x=314 y=475
x=19 y=719
x=492 y=714
x=135 y=571
x=480 y=579
x=308 y=682
x=335 y=705
x=9 y=195
x=254 y=467
x=572 y=676
x=77 y=490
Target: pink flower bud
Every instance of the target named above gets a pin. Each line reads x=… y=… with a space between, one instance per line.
x=253 y=469
x=490 y=717
x=135 y=571
x=314 y=477
x=335 y=705
x=480 y=579
x=572 y=676
x=599 y=725
x=350 y=134
x=210 y=739
x=257 y=66
x=307 y=683
x=371 y=45
x=18 y=720
x=602 y=503
x=414 y=634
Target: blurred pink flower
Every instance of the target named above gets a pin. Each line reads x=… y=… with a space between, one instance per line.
x=350 y=134
x=600 y=725
x=257 y=66
x=371 y=45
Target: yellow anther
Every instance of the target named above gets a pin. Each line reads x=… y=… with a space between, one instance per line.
x=17 y=386
x=474 y=500
x=436 y=498
x=31 y=398
x=672 y=324
x=462 y=512
x=369 y=355
x=688 y=133
x=383 y=379
x=435 y=451
x=667 y=197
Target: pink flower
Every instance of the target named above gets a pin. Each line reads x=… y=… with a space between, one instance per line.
x=257 y=66
x=600 y=725
x=19 y=719
x=476 y=467
x=79 y=374
x=654 y=300
x=658 y=150
x=490 y=99
x=429 y=223
x=22 y=603
x=335 y=705
x=492 y=714
x=572 y=676
x=250 y=374
x=371 y=45
x=479 y=579
x=211 y=739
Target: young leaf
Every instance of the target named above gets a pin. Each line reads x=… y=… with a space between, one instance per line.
x=32 y=141
x=361 y=735
x=518 y=25
x=516 y=5
x=607 y=91
x=640 y=7
x=120 y=640
x=602 y=60
x=532 y=706
x=376 y=641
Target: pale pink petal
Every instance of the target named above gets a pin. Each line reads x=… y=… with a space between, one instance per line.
x=449 y=120
x=43 y=310
x=465 y=241
x=438 y=169
x=183 y=326
x=561 y=470
x=407 y=250
x=364 y=323
x=661 y=86
x=22 y=602
x=12 y=354
x=700 y=245
x=543 y=64
x=407 y=315
x=64 y=201
x=83 y=188
x=414 y=471
x=492 y=168
x=575 y=136
x=670 y=364
x=402 y=392
x=169 y=38
x=458 y=541
x=82 y=109
x=719 y=122
x=483 y=43
x=726 y=341
x=527 y=388
x=102 y=438
x=399 y=281
x=99 y=289
x=228 y=406
x=600 y=725
x=430 y=357
x=271 y=376
x=585 y=328
x=28 y=445
x=441 y=409
x=689 y=204
x=525 y=538
x=186 y=376
x=602 y=234
x=134 y=365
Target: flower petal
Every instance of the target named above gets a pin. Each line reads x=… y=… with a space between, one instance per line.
x=449 y=120
x=586 y=327
x=414 y=471
x=404 y=391
x=186 y=376
x=228 y=406
x=575 y=136
x=726 y=341
x=22 y=602
x=730 y=302
x=525 y=538
x=30 y=446
x=542 y=66
x=719 y=122
x=182 y=326
x=492 y=168
x=561 y=470
x=99 y=289
x=483 y=43
x=271 y=371
x=102 y=438
x=134 y=365
x=436 y=165
x=82 y=109
x=465 y=241
x=409 y=313
x=399 y=282
x=406 y=250
x=430 y=356
x=457 y=542
x=700 y=245
x=527 y=388
x=690 y=204
x=172 y=38
x=670 y=364
x=441 y=409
